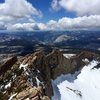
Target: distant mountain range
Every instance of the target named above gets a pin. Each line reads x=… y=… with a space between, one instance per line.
x=27 y=42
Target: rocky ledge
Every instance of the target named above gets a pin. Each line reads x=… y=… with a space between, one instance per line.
x=29 y=77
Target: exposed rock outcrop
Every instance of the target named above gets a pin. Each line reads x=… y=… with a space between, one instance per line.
x=29 y=77
x=58 y=64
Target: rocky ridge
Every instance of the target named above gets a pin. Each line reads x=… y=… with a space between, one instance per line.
x=29 y=77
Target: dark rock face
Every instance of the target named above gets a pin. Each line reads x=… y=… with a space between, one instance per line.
x=79 y=59
x=29 y=77
x=62 y=65
x=58 y=64
x=8 y=65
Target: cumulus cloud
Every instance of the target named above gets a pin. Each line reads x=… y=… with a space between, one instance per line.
x=19 y=15
x=23 y=26
x=12 y=11
x=85 y=22
x=65 y=23
x=18 y=8
x=81 y=7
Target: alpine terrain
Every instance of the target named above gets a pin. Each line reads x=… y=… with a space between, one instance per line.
x=52 y=76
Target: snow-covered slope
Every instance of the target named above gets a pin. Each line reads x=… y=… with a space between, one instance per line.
x=69 y=55
x=83 y=85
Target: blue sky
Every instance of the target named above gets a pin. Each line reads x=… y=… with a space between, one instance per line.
x=44 y=6
x=49 y=14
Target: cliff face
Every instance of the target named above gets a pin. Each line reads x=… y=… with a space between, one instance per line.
x=59 y=64
x=30 y=77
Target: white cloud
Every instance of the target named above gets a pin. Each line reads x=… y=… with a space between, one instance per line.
x=81 y=7
x=42 y=26
x=18 y=8
x=19 y=15
x=52 y=25
x=81 y=22
x=65 y=23
x=12 y=11
x=23 y=26
x=55 y=5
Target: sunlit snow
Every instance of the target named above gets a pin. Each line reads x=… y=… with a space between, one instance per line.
x=84 y=85
x=11 y=98
x=69 y=55
x=23 y=66
x=8 y=85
